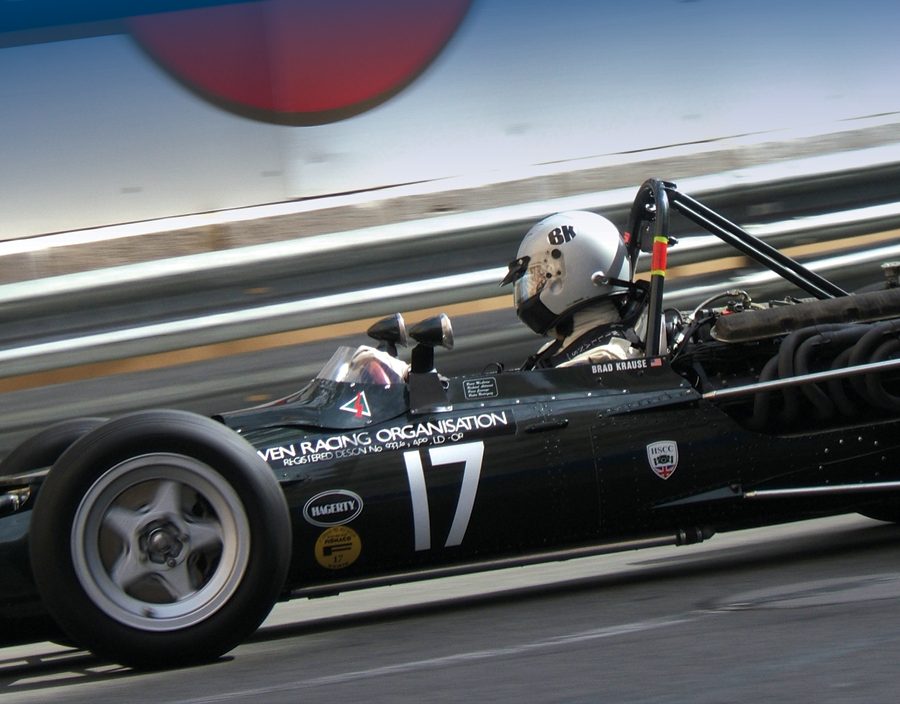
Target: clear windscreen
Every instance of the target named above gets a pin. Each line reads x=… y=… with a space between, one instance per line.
x=363 y=365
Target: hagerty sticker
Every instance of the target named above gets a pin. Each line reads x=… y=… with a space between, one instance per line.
x=323 y=448
x=332 y=508
x=663 y=458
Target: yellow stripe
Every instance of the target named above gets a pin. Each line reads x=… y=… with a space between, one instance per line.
x=222 y=349
x=657 y=272
x=660 y=239
x=828 y=247
x=206 y=352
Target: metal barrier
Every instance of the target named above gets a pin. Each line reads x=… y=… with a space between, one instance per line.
x=57 y=322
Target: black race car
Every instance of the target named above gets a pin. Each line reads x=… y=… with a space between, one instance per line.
x=163 y=538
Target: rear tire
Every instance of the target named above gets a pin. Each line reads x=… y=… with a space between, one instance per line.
x=161 y=539
x=34 y=453
x=44 y=448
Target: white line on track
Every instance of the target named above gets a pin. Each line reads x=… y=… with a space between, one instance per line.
x=452 y=660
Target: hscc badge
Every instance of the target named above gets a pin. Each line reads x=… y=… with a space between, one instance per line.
x=663 y=458
x=338 y=547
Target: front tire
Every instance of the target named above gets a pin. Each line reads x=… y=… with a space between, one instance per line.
x=160 y=539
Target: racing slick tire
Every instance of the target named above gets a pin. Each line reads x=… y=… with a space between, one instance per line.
x=160 y=539
x=44 y=448
x=36 y=452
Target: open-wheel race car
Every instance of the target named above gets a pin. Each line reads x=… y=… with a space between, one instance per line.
x=163 y=538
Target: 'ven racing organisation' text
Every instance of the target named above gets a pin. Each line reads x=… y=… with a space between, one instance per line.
x=321 y=448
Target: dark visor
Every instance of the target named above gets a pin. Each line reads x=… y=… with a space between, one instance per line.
x=517 y=267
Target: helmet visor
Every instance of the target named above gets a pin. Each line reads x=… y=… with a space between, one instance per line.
x=529 y=285
x=517 y=267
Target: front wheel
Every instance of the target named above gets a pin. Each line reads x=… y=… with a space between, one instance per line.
x=160 y=539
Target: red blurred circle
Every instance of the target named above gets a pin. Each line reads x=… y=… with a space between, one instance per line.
x=300 y=61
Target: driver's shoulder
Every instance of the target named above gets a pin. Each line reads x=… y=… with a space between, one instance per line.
x=614 y=348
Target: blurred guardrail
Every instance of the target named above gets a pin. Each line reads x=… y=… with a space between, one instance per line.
x=219 y=296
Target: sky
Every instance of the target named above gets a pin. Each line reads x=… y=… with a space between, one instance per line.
x=121 y=118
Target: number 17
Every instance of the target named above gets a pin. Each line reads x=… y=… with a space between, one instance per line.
x=471 y=454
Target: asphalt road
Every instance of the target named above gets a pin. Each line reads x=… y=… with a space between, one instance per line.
x=805 y=612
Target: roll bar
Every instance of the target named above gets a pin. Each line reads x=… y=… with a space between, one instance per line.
x=648 y=231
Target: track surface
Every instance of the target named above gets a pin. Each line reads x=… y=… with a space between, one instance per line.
x=806 y=612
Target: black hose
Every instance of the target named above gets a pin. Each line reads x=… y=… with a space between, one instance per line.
x=837 y=390
x=827 y=343
x=864 y=350
x=848 y=344
x=786 y=354
x=761 y=400
x=877 y=394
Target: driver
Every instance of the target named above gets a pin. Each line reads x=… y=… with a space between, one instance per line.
x=573 y=283
x=373 y=366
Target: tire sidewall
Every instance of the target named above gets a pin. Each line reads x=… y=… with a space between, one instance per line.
x=44 y=448
x=172 y=432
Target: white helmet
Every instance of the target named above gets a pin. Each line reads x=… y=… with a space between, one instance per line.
x=556 y=262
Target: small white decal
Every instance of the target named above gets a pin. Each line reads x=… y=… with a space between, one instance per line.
x=663 y=458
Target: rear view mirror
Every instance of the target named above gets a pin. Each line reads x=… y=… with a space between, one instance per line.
x=433 y=332
x=390 y=332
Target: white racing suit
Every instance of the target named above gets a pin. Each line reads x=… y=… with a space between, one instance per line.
x=597 y=335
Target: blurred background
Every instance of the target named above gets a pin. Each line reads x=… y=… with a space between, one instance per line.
x=201 y=199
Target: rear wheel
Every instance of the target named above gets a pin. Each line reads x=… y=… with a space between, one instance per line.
x=160 y=539
x=44 y=448
x=37 y=452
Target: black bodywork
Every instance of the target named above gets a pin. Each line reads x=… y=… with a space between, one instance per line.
x=561 y=458
x=389 y=483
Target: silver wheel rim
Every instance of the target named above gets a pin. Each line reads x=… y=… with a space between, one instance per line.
x=160 y=542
